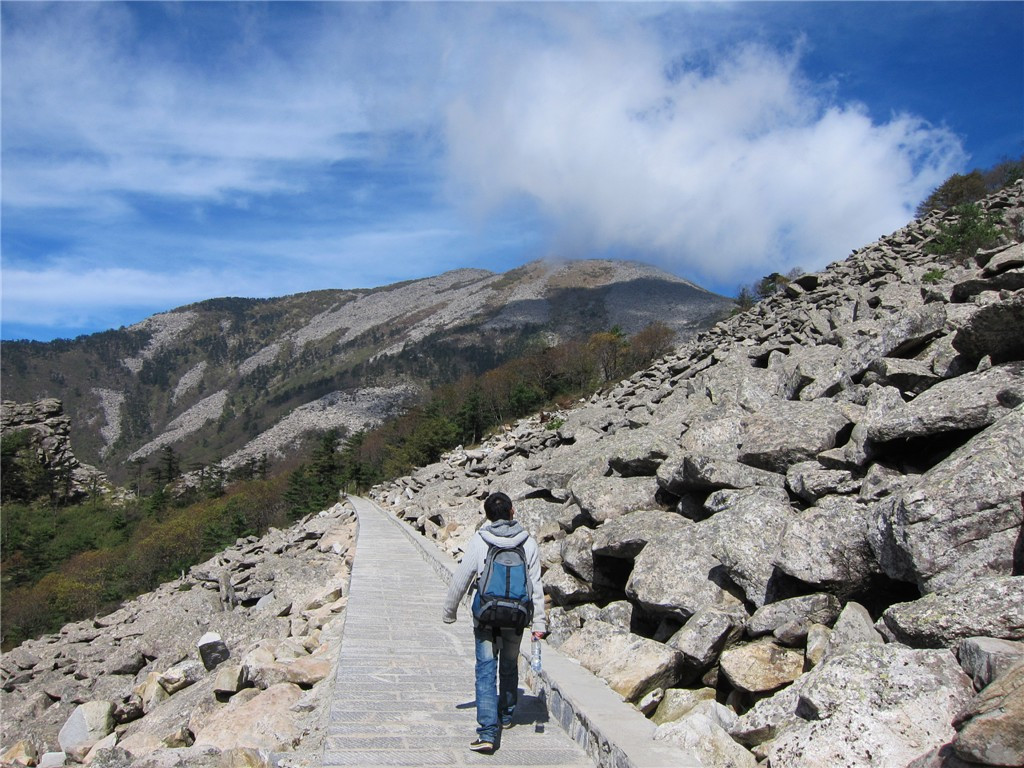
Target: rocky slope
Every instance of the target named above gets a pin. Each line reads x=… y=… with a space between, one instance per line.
x=229 y=379
x=232 y=664
x=797 y=542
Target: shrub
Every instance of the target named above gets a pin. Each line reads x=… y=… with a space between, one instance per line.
x=971 y=228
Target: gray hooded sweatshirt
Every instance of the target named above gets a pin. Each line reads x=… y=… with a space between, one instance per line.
x=505 y=533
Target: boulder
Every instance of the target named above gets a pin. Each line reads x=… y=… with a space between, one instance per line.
x=708 y=741
x=602 y=497
x=88 y=723
x=853 y=627
x=182 y=675
x=967 y=402
x=993 y=607
x=21 y=753
x=990 y=730
x=677 y=574
x=632 y=665
x=811 y=481
x=761 y=667
x=746 y=536
x=626 y=536
x=708 y=473
x=701 y=639
x=995 y=331
x=960 y=520
x=263 y=721
x=986 y=658
x=577 y=551
x=875 y=705
x=677 y=702
x=818 y=608
x=827 y=547
x=786 y=432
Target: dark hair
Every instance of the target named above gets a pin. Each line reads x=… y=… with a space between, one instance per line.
x=498 y=506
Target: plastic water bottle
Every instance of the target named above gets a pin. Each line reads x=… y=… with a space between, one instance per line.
x=535 y=655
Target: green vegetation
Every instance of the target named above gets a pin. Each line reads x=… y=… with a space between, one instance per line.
x=960 y=189
x=933 y=275
x=65 y=563
x=769 y=285
x=970 y=229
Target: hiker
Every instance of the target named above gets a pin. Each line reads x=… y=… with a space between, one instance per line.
x=501 y=540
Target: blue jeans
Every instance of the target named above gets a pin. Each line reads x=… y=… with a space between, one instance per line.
x=494 y=706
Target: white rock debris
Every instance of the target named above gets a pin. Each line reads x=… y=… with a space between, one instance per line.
x=111 y=403
x=165 y=327
x=189 y=380
x=353 y=411
x=190 y=421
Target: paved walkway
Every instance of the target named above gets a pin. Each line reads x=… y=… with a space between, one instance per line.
x=404 y=693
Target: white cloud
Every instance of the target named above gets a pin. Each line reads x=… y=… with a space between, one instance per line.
x=725 y=172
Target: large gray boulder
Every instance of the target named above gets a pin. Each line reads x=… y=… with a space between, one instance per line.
x=993 y=607
x=986 y=658
x=875 y=705
x=990 y=730
x=786 y=432
x=961 y=520
x=746 y=536
x=89 y=723
x=995 y=331
x=818 y=608
x=968 y=402
x=701 y=639
x=678 y=574
x=632 y=665
x=761 y=667
x=827 y=547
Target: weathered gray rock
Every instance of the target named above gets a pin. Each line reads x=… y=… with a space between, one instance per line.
x=701 y=639
x=603 y=497
x=990 y=729
x=89 y=723
x=811 y=481
x=701 y=736
x=631 y=664
x=788 y=432
x=577 y=551
x=264 y=721
x=827 y=546
x=967 y=402
x=995 y=331
x=853 y=627
x=875 y=705
x=676 y=574
x=869 y=340
x=746 y=536
x=986 y=658
x=626 y=536
x=676 y=702
x=961 y=519
x=707 y=473
x=993 y=607
x=810 y=609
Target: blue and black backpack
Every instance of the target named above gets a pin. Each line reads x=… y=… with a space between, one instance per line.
x=503 y=597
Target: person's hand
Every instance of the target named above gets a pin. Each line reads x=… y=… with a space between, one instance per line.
x=539 y=635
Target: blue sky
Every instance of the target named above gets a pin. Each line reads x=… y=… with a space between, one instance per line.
x=158 y=154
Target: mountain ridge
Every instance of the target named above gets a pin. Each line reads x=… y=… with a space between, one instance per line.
x=215 y=378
